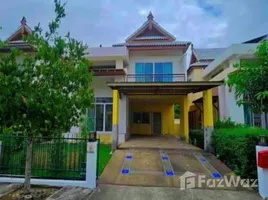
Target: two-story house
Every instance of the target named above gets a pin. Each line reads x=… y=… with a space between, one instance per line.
x=138 y=82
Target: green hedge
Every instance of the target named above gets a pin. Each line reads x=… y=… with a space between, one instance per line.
x=236 y=148
x=197 y=137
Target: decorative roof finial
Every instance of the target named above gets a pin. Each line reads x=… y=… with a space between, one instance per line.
x=150 y=16
x=23 y=21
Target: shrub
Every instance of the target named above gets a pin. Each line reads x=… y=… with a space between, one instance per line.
x=226 y=124
x=236 y=148
x=197 y=137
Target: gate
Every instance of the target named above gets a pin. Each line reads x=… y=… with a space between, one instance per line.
x=52 y=158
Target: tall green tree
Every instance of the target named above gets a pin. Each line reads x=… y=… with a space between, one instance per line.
x=47 y=91
x=250 y=80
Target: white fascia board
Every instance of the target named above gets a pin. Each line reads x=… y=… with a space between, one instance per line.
x=235 y=49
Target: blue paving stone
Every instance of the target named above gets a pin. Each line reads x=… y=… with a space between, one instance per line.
x=164 y=158
x=203 y=160
x=216 y=175
x=169 y=173
x=125 y=171
x=129 y=157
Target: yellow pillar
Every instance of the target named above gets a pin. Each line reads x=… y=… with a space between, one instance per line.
x=115 y=119
x=184 y=119
x=208 y=108
x=208 y=118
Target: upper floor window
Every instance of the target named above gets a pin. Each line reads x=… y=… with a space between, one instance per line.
x=154 y=72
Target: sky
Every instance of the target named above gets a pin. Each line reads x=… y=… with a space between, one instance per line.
x=205 y=23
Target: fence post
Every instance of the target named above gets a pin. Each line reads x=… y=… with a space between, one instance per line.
x=91 y=165
x=0 y=148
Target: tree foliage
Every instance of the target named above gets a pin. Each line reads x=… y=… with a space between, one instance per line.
x=250 y=80
x=45 y=92
x=177 y=111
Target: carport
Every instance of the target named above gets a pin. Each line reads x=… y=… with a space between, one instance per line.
x=176 y=90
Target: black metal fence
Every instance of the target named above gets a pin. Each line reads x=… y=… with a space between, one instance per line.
x=52 y=158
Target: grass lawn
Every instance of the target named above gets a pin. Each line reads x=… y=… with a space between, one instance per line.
x=46 y=163
x=104 y=157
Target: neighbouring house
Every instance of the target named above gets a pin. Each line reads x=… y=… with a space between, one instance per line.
x=16 y=39
x=219 y=69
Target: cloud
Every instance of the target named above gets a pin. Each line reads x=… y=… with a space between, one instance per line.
x=206 y=23
x=143 y=12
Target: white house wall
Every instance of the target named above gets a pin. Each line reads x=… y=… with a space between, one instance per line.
x=227 y=97
x=100 y=88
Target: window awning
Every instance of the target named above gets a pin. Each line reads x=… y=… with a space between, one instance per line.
x=163 y=88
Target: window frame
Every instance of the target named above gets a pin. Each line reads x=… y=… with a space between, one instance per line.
x=154 y=78
x=104 y=116
x=141 y=116
x=103 y=101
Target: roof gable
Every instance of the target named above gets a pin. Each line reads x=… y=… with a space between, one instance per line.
x=24 y=29
x=150 y=30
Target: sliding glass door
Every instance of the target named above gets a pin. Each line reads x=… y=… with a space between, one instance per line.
x=100 y=116
x=144 y=72
x=154 y=72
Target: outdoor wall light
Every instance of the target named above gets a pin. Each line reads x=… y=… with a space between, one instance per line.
x=92 y=136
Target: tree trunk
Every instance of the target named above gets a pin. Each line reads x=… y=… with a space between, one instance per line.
x=28 y=165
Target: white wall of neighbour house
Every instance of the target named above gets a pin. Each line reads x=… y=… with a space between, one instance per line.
x=227 y=98
x=174 y=56
x=235 y=112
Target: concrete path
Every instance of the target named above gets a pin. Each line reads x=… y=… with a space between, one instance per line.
x=6 y=188
x=116 y=192
x=71 y=193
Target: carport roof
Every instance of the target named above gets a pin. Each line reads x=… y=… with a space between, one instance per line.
x=163 y=88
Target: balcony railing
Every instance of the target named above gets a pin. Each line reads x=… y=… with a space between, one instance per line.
x=154 y=78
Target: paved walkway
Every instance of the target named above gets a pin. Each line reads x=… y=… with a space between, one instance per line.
x=71 y=193
x=116 y=192
x=6 y=188
x=160 y=161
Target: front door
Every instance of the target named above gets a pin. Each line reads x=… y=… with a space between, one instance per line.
x=157 y=124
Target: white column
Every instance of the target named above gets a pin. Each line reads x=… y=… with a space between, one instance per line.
x=91 y=165
x=262 y=175
x=222 y=102
x=122 y=119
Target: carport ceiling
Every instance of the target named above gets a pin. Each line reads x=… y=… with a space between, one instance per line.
x=172 y=88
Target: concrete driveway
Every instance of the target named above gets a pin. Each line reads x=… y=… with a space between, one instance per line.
x=161 y=168
x=159 y=161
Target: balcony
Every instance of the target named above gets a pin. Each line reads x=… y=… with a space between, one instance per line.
x=154 y=78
